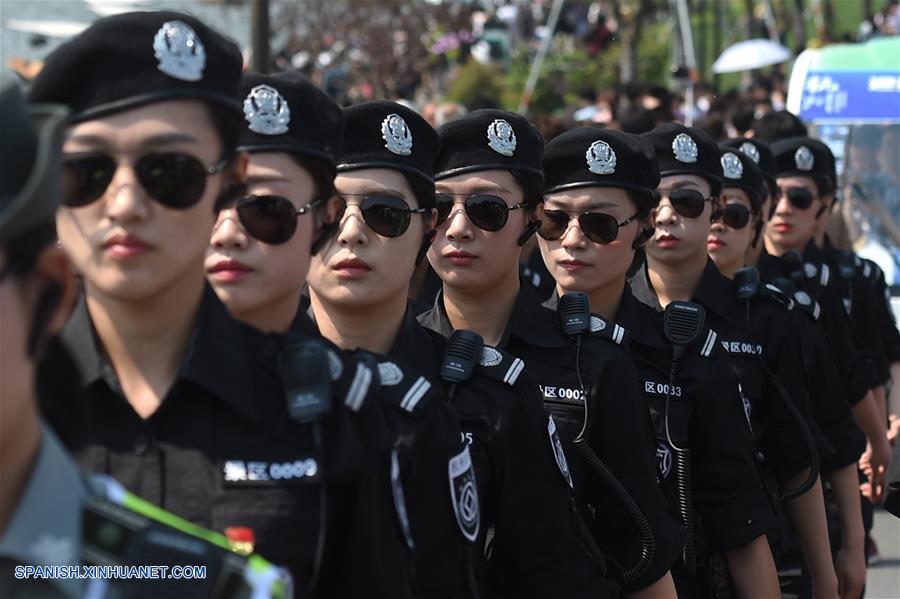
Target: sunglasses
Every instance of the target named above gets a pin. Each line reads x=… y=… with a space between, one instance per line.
x=386 y=215
x=800 y=197
x=174 y=179
x=736 y=216
x=270 y=219
x=487 y=212
x=688 y=203
x=596 y=226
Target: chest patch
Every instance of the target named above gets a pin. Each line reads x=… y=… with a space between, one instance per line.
x=241 y=471
x=558 y=452
x=464 y=494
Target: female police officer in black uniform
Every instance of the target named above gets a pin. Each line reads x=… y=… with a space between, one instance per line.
x=677 y=266
x=785 y=436
x=359 y=289
x=182 y=404
x=489 y=182
x=599 y=191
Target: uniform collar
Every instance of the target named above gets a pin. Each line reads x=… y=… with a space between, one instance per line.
x=812 y=253
x=417 y=347
x=45 y=529
x=529 y=321
x=218 y=357
x=713 y=290
x=413 y=344
x=533 y=323
x=641 y=322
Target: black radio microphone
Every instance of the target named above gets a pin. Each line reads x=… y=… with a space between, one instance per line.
x=304 y=371
x=461 y=356
x=683 y=324
x=746 y=283
x=574 y=310
x=747 y=286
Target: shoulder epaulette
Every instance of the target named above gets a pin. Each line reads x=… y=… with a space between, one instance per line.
x=361 y=381
x=825 y=276
x=500 y=365
x=807 y=304
x=606 y=329
x=848 y=265
x=401 y=389
x=706 y=349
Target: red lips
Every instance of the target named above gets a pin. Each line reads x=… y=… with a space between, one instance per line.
x=460 y=257
x=228 y=271
x=573 y=265
x=715 y=242
x=125 y=245
x=667 y=241
x=782 y=227
x=352 y=268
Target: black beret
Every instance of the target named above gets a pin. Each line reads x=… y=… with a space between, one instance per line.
x=384 y=134
x=805 y=157
x=760 y=153
x=684 y=150
x=131 y=59
x=30 y=162
x=594 y=157
x=287 y=113
x=739 y=170
x=489 y=140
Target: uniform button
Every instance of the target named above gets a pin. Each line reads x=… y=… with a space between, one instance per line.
x=760 y=457
x=141 y=445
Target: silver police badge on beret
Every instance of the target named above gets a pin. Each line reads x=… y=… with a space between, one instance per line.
x=731 y=166
x=684 y=148
x=396 y=134
x=267 y=111
x=803 y=158
x=601 y=159
x=179 y=51
x=501 y=137
x=751 y=151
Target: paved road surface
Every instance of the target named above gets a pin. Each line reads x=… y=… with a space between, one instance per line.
x=883 y=580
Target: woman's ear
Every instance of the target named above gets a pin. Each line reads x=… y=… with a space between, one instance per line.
x=239 y=169
x=54 y=289
x=431 y=219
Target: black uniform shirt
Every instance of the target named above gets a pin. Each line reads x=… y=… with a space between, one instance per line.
x=830 y=408
x=706 y=412
x=864 y=303
x=765 y=343
x=621 y=432
x=816 y=281
x=540 y=546
x=426 y=437
x=222 y=452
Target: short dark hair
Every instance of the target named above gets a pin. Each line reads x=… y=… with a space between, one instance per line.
x=643 y=202
x=422 y=190
x=742 y=117
x=228 y=125
x=532 y=188
x=322 y=175
x=780 y=124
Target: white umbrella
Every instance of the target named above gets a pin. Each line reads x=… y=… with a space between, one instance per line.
x=749 y=55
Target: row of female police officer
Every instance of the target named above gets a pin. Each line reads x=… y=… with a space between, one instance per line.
x=274 y=439
x=599 y=182
x=843 y=441
x=381 y=219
